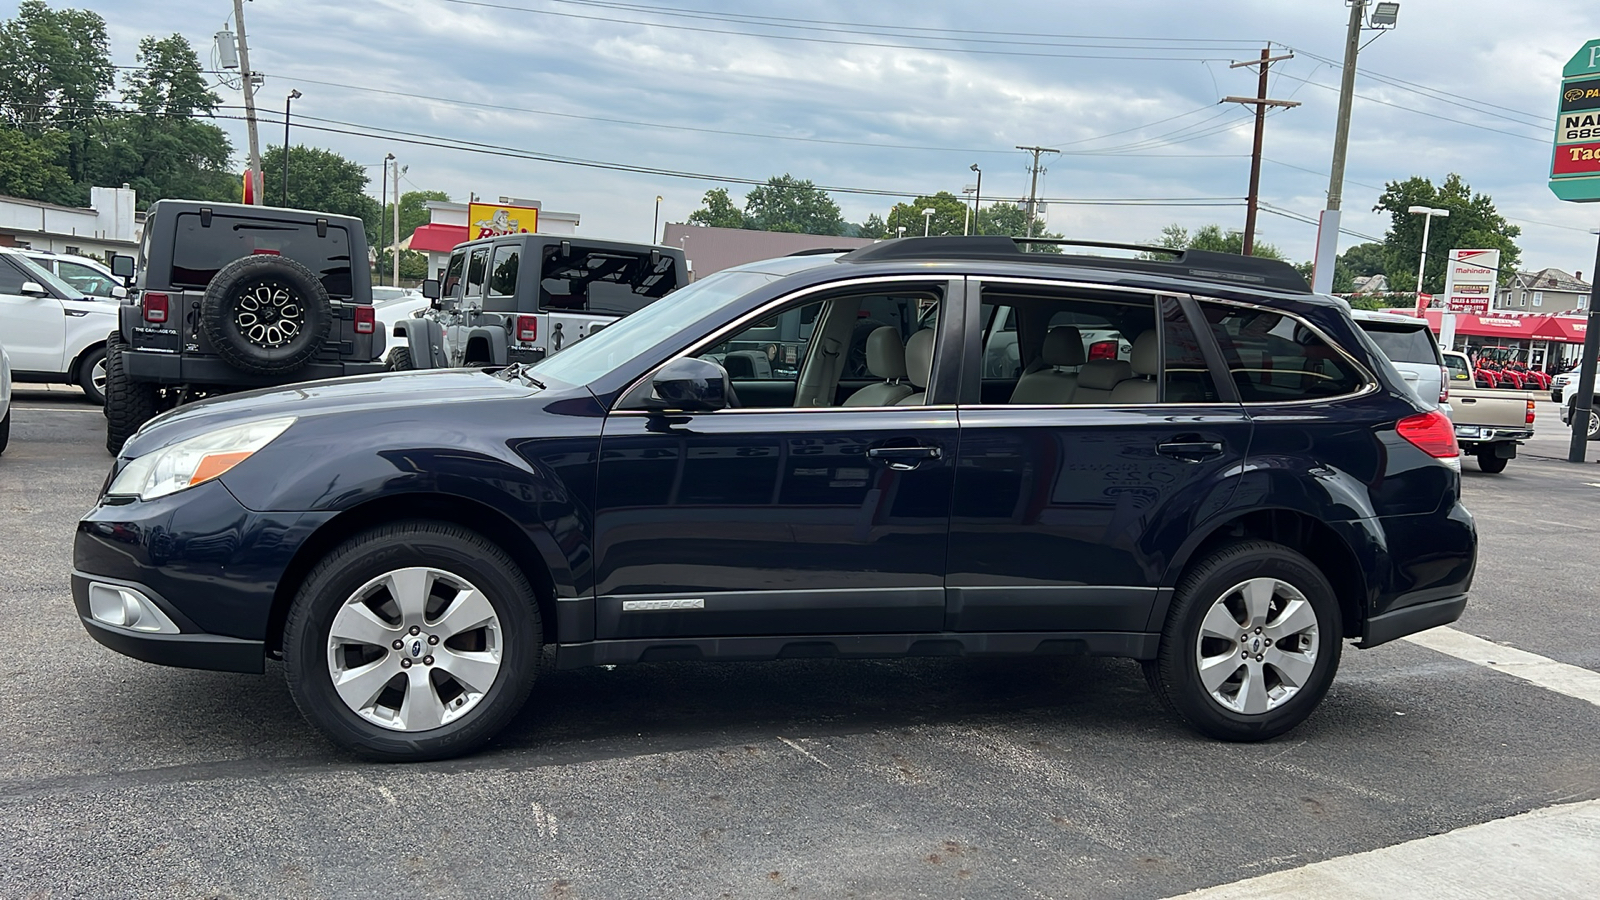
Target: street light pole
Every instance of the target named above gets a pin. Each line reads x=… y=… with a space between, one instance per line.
x=1328 y=228
x=927 y=220
x=977 y=201
x=655 y=223
x=293 y=96
x=1422 y=261
x=383 y=197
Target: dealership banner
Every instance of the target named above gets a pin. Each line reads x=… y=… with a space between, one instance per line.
x=1470 y=280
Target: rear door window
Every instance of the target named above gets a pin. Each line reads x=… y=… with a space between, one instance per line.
x=199 y=251
x=574 y=277
x=85 y=279
x=1274 y=357
x=477 y=271
x=1403 y=343
x=503 y=271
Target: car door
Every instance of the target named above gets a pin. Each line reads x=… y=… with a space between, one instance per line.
x=1069 y=506
x=34 y=325
x=780 y=517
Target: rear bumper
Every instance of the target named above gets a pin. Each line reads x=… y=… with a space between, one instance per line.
x=1398 y=623
x=173 y=368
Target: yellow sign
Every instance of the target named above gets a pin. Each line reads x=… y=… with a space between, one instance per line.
x=494 y=219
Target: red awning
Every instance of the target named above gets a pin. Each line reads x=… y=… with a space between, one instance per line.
x=1565 y=329
x=436 y=238
x=1568 y=329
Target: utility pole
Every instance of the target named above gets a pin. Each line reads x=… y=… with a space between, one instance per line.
x=383 y=197
x=394 y=255
x=1033 y=188
x=247 y=76
x=1328 y=228
x=1260 y=102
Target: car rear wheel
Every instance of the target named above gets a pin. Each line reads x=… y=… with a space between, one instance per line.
x=1251 y=643
x=413 y=641
x=128 y=404
x=399 y=360
x=1489 y=462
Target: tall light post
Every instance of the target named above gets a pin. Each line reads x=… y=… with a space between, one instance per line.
x=927 y=220
x=1384 y=15
x=899 y=231
x=977 y=200
x=293 y=96
x=655 y=223
x=1422 y=261
x=383 y=195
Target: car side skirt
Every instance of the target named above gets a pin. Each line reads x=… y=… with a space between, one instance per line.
x=1133 y=645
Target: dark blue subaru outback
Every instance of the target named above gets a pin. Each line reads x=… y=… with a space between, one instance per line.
x=925 y=447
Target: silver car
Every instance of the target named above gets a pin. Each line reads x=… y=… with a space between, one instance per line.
x=1410 y=345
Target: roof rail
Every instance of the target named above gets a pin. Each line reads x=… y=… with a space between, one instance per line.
x=1204 y=265
x=820 y=251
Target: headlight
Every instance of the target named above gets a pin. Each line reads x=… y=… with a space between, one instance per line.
x=190 y=462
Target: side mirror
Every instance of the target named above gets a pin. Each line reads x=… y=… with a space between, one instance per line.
x=118 y=292
x=689 y=385
x=430 y=289
x=122 y=266
x=33 y=289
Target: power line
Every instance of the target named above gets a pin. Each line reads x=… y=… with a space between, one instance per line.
x=1433 y=93
x=1430 y=115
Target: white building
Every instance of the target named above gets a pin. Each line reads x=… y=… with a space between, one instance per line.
x=108 y=226
x=447 y=227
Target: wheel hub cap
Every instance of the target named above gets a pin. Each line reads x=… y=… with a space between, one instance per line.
x=1257 y=646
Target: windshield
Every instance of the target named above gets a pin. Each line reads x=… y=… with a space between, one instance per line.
x=594 y=356
x=43 y=276
x=1403 y=344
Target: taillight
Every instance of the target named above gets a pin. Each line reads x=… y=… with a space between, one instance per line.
x=154 y=306
x=1103 y=350
x=1432 y=433
x=1444 y=385
x=527 y=328
x=1530 y=412
x=366 y=320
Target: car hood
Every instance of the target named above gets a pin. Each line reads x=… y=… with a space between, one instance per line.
x=339 y=396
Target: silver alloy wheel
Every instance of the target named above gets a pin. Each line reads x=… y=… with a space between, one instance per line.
x=414 y=649
x=268 y=315
x=1593 y=425
x=1257 y=645
x=97 y=376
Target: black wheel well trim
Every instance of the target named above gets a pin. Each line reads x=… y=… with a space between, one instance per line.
x=1327 y=549
x=77 y=362
x=473 y=515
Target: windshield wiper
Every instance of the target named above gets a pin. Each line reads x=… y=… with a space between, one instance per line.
x=521 y=370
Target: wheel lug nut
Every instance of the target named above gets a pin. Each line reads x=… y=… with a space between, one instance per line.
x=1258 y=659
x=416 y=629
x=427 y=660
x=1245 y=655
x=1258 y=631
x=1268 y=642
x=405 y=663
x=399 y=644
x=433 y=639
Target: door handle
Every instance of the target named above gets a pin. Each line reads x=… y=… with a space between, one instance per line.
x=1190 y=451
x=904 y=459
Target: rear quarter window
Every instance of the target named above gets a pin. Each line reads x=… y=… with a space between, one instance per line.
x=1275 y=358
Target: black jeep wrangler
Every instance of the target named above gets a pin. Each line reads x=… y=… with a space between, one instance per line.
x=233 y=297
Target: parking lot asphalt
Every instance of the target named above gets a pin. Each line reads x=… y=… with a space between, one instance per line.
x=915 y=778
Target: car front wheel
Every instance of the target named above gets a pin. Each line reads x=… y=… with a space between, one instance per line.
x=413 y=641
x=1251 y=643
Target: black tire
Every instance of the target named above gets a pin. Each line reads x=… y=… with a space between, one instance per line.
x=129 y=404
x=368 y=556
x=1175 y=674
x=1490 y=463
x=399 y=360
x=5 y=430
x=267 y=315
x=86 y=369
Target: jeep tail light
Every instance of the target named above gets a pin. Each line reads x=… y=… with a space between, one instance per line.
x=1444 y=385
x=1530 y=412
x=527 y=328
x=1432 y=433
x=1102 y=350
x=154 y=306
x=366 y=320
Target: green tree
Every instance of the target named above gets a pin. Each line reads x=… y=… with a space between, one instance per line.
x=323 y=180
x=789 y=204
x=718 y=211
x=874 y=227
x=1364 y=260
x=55 y=66
x=1473 y=223
x=413 y=264
x=413 y=214
x=949 y=216
x=1213 y=238
x=29 y=167
x=1011 y=220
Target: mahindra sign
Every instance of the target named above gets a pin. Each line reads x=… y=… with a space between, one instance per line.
x=1470 y=280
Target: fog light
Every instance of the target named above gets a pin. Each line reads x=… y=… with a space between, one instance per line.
x=125 y=607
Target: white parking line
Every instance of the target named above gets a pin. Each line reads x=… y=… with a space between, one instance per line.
x=1573 y=681
x=1548 y=853
x=87 y=409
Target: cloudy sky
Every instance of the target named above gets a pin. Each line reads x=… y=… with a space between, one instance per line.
x=903 y=96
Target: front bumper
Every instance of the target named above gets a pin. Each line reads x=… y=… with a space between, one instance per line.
x=189 y=649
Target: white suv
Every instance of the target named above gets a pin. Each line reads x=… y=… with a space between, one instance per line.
x=54 y=333
x=87 y=275
x=5 y=399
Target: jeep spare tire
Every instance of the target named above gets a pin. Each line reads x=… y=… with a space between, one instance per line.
x=266 y=314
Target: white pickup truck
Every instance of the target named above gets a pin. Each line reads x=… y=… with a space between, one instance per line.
x=1489 y=422
x=53 y=332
